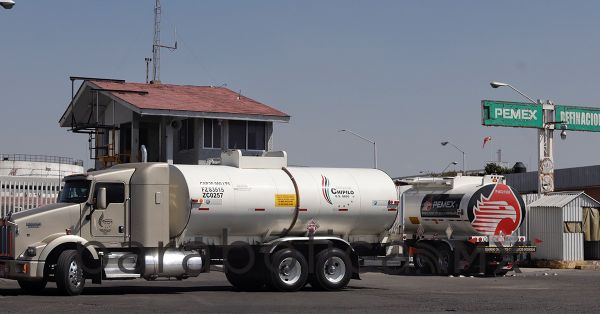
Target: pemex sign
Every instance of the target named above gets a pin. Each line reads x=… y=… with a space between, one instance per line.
x=578 y=118
x=528 y=115
x=511 y=114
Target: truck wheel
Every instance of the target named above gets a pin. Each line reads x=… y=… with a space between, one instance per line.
x=252 y=281
x=426 y=259
x=69 y=273
x=32 y=287
x=333 y=270
x=288 y=271
x=446 y=261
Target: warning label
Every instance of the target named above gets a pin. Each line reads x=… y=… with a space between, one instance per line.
x=285 y=200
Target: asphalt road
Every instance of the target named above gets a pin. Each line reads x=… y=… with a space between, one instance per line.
x=534 y=290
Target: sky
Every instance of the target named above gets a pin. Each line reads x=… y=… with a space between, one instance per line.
x=407 y=74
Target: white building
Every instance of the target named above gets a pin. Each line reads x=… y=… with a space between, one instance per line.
x=29 y=181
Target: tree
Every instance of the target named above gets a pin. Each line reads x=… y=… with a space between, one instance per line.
x=493 y=168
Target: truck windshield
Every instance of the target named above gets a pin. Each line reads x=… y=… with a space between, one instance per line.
x=75 y=192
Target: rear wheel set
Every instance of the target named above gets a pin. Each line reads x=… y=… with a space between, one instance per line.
x=288 y=270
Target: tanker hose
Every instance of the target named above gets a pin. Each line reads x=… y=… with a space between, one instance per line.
x=297 y=209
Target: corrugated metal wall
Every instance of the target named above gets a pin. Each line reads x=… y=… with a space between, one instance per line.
x=573 y=242
x=572 y=247
x=545 y=224
x=564 y=179
x=22 y=193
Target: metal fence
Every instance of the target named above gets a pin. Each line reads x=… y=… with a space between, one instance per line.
x=41 y=158
x=22 y=193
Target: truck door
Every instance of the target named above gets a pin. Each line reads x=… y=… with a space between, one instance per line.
x=109 y=224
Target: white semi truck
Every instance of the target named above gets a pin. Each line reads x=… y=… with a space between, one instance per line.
x=268 y=224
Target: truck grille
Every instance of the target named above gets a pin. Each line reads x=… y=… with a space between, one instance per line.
x=7 y=230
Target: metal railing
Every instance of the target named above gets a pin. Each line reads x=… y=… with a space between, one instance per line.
x=41 y=158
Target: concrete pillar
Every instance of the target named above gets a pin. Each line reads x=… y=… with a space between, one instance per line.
x=199 y=140
x=269 y=135
x=169 y=138
x=135 y=138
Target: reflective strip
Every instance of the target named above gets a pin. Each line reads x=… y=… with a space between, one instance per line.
x=203 y=208
x=302 y=209
x=259 y=209
x=343 y=209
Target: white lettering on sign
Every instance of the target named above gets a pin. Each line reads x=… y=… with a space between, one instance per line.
x=515 y=113
x=580 y=118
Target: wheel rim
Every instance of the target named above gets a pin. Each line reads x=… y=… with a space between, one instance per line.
x=290 y=271
x=74 y=274
x=334 y=269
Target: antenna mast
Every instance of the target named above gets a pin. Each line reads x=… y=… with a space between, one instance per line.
x=156 y=45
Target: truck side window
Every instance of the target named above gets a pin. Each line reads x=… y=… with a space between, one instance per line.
x=115 y=192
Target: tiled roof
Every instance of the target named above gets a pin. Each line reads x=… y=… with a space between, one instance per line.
x=186 y=98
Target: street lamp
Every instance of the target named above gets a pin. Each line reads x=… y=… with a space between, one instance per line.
x=545 y=143
x=450 y=164
x=7 y=4
x=494 y=84
x=460 y=150
x=368 y=140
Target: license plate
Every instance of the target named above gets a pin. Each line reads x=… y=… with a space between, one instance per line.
x=509 y=250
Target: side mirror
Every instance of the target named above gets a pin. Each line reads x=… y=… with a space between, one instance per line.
x=101 y=199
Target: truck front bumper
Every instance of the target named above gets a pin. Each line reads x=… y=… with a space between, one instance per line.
x=21 y=269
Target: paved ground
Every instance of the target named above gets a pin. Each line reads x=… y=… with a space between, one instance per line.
x=532 y=291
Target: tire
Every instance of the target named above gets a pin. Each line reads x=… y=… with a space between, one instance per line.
x=333 y=270
x=446 y=261
x=69 y=273
x=288 y=271
x=426 y=259
x=249 y=281
x=244 y=270
x=32 y=287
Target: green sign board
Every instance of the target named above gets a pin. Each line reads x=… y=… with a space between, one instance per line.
x=513 y=114
x=578 y=118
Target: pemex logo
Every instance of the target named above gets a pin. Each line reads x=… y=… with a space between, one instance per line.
x=325 y=188
x=496 y=210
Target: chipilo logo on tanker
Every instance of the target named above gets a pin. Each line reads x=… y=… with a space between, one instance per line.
x=331 y=193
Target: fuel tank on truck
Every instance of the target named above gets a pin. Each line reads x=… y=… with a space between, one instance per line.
x=253 y=198
x=462 y=206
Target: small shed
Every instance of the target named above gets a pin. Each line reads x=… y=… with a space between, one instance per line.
x=560 y=222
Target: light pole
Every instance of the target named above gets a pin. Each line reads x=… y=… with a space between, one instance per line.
x=460 y=150
x=368 y=140
x=545 y=143
x=450 y=164
x=7 y=4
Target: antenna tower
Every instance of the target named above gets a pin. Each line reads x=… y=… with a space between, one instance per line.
x=156 y=45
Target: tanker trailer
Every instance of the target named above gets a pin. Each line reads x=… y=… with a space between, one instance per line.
x=462 y=224
x=268 y=224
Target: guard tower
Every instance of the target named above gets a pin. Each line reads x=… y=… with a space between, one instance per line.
x=181 y=124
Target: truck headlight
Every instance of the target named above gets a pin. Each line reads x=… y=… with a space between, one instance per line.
x=31 y=251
